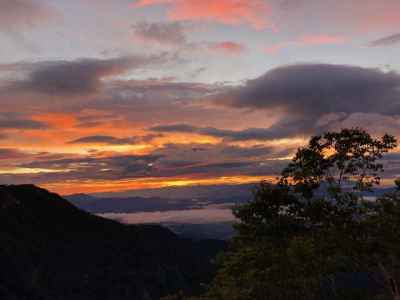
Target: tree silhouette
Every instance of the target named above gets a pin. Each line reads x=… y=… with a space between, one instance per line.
x=310 y=234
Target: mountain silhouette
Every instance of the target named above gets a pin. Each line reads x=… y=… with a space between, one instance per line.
x=51 y=250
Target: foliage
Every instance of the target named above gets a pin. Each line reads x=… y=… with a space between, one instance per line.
x=299 y=238
x=338 y=158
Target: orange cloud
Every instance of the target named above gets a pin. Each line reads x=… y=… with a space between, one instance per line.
x=57 y=120
x=231 y=12
x=228 y=47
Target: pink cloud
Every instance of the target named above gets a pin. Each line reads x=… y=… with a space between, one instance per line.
x=321 y=40
x=17 y=15
x=231 y=12
x=228 y=47
x=371 y=15
x=349 y=17
x=274 y=49
x=142 y=3
x=307 y=40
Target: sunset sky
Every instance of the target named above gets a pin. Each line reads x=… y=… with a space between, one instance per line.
x=110 y=95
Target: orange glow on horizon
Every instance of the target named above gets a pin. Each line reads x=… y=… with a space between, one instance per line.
x=98 y=186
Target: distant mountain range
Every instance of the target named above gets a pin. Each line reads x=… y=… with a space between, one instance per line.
x=178 y=199
x=49 y=249
x=171 y=199
x=140 y=204
x=229 y=192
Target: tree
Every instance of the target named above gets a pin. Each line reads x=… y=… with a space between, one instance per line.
x=384 y=226
x=338 y=159
x=296 y=238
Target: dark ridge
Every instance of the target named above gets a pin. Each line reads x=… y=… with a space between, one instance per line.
x=51 y=250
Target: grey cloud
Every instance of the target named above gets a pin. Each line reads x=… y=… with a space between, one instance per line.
x=214 y=167
x=279 y=130
x=111 y=140
x=146 y=102
x=72 y=78
x=217 y=160
x=160 y=32
x=390 y=40
x=12 y=121
x=104 y=139
x=92 y=167
x=156 y=88
x=216 y=152
x=10 y=153
x=307 y=93
x=141 y=169
x=176 y=128
x=381 y=123
x=236 y=168
x=191 y=169
x=149 y=137
x=86 y=162
x=311 y=90
x=192 y=161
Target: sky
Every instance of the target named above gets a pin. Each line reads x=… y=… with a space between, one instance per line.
x=111 y=95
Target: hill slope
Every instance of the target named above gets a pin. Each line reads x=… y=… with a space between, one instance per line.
x=50 y=249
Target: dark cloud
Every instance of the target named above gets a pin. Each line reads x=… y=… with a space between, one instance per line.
x=381 y=124
x=160 y=32
x=84 y=162
x=10 y=153
x=316 y=89
x=92 y=167
x=72 y=78
x=216 y=169
x=310 y=96
x=111 y=140
x=173 y=160
x=12 y=121
x=104 y=139
x=280 y=130
x=390 y=40
x=217 y=152
x=207 y=160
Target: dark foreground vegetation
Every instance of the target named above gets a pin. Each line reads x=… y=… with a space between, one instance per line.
x=314 y=235
x=50 y=250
